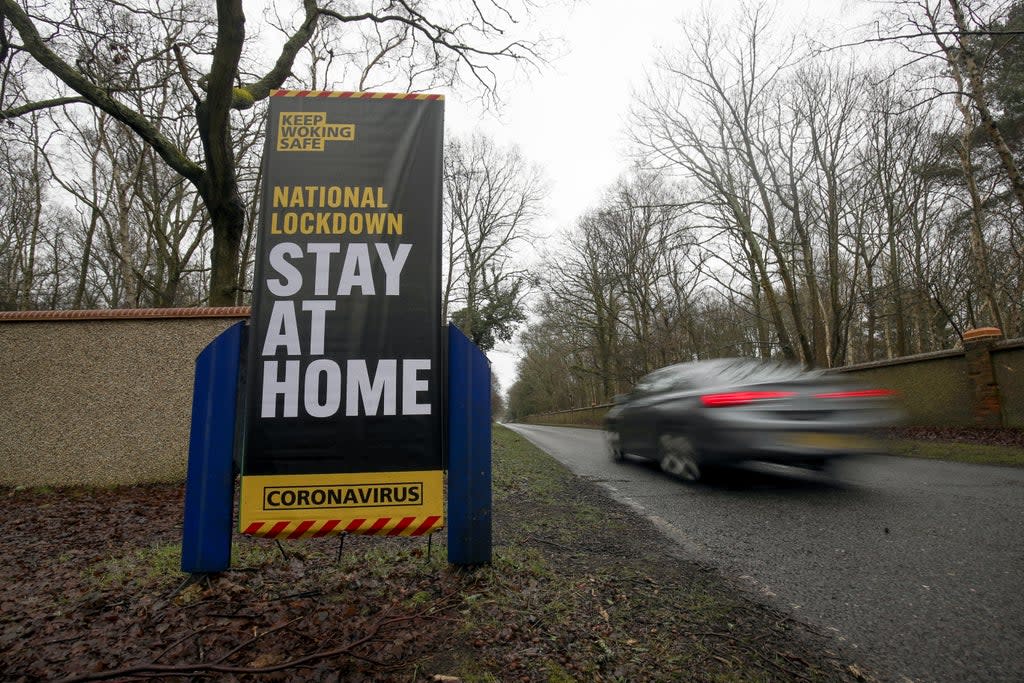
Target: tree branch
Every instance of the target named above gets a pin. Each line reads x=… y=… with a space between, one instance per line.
x=920 y=34
x=183 y=70
x=440 y=37
x=38 y=106
x=38 y=48
x=282 y=69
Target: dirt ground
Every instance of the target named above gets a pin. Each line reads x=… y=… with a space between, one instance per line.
x=580 y=589
x=987 y=436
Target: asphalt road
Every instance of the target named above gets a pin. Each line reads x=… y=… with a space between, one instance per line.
x=916 y=565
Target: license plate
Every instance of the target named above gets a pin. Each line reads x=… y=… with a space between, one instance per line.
x=826 y=442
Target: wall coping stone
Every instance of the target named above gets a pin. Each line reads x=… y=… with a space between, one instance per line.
x=124 y=314
x=1004 y=345
x=1008 y=344
x=982 y=333
x=902 y=360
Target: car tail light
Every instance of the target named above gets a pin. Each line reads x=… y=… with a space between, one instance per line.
x=863 y=393
x=740 y=398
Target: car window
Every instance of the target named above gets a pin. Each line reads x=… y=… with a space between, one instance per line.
x=643 y=387
x=745 y=371
x=683 y=383
x=664 y=379
x=722 y=371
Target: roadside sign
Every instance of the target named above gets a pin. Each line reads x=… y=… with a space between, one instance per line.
x=344 y=375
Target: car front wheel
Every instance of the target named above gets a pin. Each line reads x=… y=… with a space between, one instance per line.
x=614 y=444
x=678 y=457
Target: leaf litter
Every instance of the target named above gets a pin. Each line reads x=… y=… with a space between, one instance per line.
x=580 y=589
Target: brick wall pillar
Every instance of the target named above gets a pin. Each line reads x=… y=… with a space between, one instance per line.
x=988 y=409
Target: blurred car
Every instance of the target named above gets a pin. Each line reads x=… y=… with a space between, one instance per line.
x=693 y=417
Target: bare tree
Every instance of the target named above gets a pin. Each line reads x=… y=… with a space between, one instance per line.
x=621 y=290
x=24 y=230
x=829 y=102
x=963 y=37
x=961 y=65
x=584 y=293
x=492 y=198
x=704 y=117
x=100 y=54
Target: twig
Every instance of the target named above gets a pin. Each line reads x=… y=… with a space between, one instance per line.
x=304 y=594
x=200 y=667
x=60 y=640
x=796 y=658
x=189 y=580
x=715 y=634
x=551 y=543
x=179 y=641
x=257 y=637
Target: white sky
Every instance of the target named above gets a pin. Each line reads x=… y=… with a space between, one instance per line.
x=570 y=118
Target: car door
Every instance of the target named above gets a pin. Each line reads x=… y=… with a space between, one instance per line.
x=656 y=406
x=639 y=416
x=630 y=417
x=645 y=422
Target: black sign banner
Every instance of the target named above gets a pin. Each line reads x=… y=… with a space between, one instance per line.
x=345 y=365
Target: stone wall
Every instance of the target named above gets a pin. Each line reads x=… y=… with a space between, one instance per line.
x=934 y=388
x=979 y=385
x=100 y=397
x=1008 y=367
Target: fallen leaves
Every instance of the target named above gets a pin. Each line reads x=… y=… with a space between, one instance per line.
x=90 y=590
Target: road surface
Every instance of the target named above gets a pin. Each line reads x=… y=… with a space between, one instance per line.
x=916 y=565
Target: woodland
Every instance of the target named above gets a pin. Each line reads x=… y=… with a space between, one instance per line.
x=823 y=199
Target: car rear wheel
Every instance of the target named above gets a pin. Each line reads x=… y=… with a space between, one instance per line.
x=614 y=443
x=678 y=457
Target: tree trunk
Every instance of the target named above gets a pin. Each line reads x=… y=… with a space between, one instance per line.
x=37 y=212
x=979 y=255
x=228 y=219
x=764 y=349
x=871 y=314
x=775 y=246
x=979 y=252
x=83 y=273
x=218 y=186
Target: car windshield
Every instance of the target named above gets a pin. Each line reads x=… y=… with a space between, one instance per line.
x=723 y=371
x=745 y=370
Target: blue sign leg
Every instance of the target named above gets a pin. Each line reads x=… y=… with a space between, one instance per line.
x=209 y=485
x=469 y=452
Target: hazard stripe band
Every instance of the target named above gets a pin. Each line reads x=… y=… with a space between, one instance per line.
x=378 y=526
x=358 y=95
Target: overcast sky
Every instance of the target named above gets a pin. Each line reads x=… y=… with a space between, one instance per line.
x=570 y=118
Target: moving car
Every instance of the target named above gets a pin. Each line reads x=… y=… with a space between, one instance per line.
x=695 y=416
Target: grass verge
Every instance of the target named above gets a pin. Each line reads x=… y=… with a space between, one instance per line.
x=582 y=589
x=973 y=453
